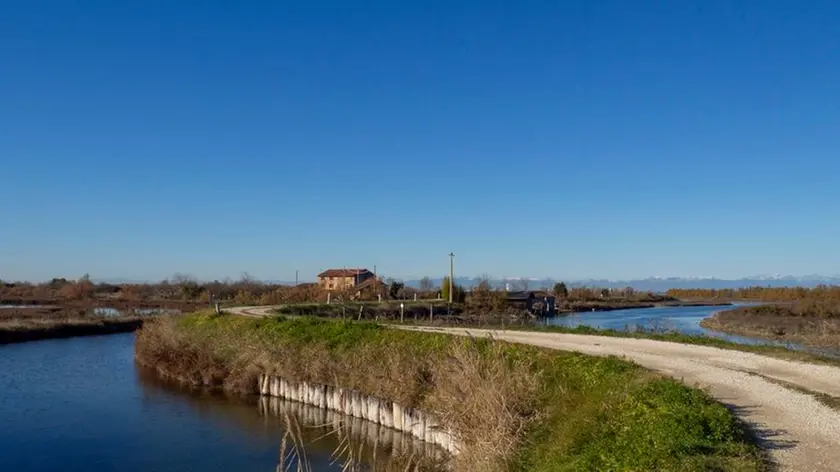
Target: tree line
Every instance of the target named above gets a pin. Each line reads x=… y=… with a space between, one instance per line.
x=765 y=294
x=177 y=288
x=185 y=288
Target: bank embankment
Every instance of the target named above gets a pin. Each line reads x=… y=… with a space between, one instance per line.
x=512 y=407
x=809 y=324
x=34 y=329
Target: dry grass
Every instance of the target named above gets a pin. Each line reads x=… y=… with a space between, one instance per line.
x=467 y=381
x=39 y=323
x=804 y=323
x=514 y=407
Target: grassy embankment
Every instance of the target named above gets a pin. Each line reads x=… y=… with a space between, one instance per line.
x=463 y=313
x=808 y=322
x=418 y=314
x=32 y=324
x=515 y=407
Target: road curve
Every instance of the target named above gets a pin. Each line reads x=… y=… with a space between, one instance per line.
x=253 y=311
x=799 y=432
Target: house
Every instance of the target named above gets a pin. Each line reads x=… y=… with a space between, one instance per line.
x=342 y=279
x=536 y=302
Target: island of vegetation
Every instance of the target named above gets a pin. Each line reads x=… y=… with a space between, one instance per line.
x=795 y=314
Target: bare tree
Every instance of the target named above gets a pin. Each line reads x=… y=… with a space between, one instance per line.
x=247 y=280
x=426 y=284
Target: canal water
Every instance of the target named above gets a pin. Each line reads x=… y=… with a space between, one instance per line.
x=683 y=319
x=80 y=404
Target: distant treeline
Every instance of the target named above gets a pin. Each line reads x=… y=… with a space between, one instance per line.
x=186 y=289
x=766 y=294
x=178 y=288
x=182 y=288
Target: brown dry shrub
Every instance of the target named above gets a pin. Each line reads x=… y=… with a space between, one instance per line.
x=477 y=388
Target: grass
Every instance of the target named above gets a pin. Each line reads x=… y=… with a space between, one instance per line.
x=418 y=315
x=516 y=407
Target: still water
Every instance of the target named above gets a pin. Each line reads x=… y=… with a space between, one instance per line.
x=80 y=404
x=684 y=320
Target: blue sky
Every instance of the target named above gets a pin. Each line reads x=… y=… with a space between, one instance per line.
x=569 y=139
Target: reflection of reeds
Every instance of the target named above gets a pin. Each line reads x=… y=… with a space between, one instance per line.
x=358 y=444
x=484 y=391
x=292 y=447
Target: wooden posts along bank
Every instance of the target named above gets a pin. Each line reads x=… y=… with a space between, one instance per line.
x=422 y=425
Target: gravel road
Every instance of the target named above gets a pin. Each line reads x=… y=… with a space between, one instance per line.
x=799 y=432
x=254 y=311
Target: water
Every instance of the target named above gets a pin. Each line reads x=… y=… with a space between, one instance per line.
x=108 y=311
x=684 y=320
x=80 y=404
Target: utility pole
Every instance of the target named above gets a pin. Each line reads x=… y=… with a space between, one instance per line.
x=451 y=275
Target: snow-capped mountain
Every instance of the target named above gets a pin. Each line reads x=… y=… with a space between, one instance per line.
x=656 y=284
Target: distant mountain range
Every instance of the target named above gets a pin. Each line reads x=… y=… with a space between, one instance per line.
x=654 y=284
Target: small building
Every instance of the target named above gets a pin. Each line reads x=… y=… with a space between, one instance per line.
x=535 y=302
x=368 y=289
x=343 y=279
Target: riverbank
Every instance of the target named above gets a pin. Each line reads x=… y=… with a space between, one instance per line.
x=101 y=302
x=63 y=319
x=513 y=407
x=34 y=329
x=808 y=324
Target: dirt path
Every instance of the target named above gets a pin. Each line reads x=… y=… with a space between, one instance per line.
x=799 y=432
x=254 y=311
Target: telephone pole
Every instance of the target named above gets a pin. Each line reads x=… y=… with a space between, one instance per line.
x=451 y=275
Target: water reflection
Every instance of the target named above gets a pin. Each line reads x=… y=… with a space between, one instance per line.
x=108 y=311
x=327 y=440
x=359 y=441
x=79 y=404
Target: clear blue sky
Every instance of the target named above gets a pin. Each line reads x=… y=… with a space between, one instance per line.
x=572 y=139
